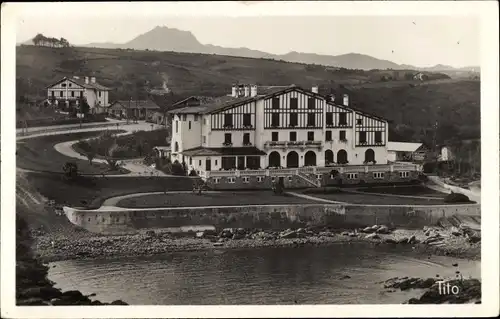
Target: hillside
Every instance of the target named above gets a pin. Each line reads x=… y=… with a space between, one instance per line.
x=408 y=103
x=170 y=39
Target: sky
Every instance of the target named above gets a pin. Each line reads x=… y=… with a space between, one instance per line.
x=417 y=40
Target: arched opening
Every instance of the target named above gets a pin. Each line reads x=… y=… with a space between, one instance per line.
x=292 y=160
x=274 y=159
x=342 y=157
x=369 y=156
x=310 y=159
x=328 y=157
x=176 y=147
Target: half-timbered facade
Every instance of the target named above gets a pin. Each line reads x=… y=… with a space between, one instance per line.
x=280 y=127
x=70 y=91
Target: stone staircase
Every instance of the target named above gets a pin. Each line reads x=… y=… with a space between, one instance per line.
x=311 y=180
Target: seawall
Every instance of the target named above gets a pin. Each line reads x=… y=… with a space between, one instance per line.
x=121 y=221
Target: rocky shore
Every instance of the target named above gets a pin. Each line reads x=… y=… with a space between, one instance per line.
x=33 y=288
x=455 y=242
x=438 y=291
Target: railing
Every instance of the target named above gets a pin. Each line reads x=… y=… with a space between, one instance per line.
x=289 y=144
x=309 y=179
x=251 y=172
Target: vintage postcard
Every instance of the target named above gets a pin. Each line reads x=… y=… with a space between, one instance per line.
x=250 y=159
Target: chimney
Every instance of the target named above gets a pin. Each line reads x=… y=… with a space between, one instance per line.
x=346 y=100
x=92 y=79
x=86 y=80
x=253 y=90
x=315 y=89
x=332 y=98
x=234 y=92
x=247 y=90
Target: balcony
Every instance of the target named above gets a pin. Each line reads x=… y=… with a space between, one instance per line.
x=293 y=144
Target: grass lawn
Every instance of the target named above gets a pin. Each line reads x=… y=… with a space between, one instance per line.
x=377 y=200
x=404 y=190
x=88 y=191
x=38 y=154
x=229 y=198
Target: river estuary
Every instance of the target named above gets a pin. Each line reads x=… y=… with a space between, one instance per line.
x=337 y=274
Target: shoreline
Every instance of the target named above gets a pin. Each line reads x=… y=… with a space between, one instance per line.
x=427 y=241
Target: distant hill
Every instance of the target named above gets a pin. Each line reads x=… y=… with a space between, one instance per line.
x=171 y=39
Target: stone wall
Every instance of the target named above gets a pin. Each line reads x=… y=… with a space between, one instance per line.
x=266 y=216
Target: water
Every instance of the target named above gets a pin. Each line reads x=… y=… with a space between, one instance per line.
x=307 y=275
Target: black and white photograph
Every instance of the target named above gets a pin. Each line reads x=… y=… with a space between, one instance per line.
x=249 y=154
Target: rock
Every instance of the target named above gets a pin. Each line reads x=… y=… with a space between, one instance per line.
x=412 y=240
x=96 y=303
x=403 y=240
x=474 y=237
x=390 y=241
x=367 y=230
x=455 y=265
x=72 y=294
x=353 y=235
x=372 y=236
x=383 y=230
x=345 y=233
x=31 y=302
x=46 y=293
x=288 y=234
x=200 y=234
x=119 y=303
x=238 y=236
x=218 y=244
x=427 y=233
x=301 y=231
x=150 y=233
x=345 y=277
x=226 y=233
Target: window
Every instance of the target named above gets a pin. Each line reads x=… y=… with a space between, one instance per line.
x=342 y=136
x=215 y=162
x=199 y=163
x=276 y=103
x=99 y=93
x=260 y=179
x=378 y=137
x=190 y=161
x=275 y=120
x=196 y=117
x=81 y=93
x=359 y=121
x=216 y=180
x=204 y=121
x=228 y=162
x=53 y=93
x=328 y=135
x=362 y=137
x=318 y=177
x=294 y=103
x=310 y=136
x=329 y=118
x=72 y=93
x=246 y=179
x=273 y=179
x=294 y=119
x=247 y=119
x=378 y=175
x=189 y=124
x=176 y=126
x=184 y=117
x=63 y=85
x=253 y=162
x=342 y=118
x=293 y=136
x=275 y=136
x=404 y=174
x=228 y=120
x=204 y=139
x=61 y=93
x=311 y=103
x=246 y=139
x=227 y=139
x=352 y=175
x=311 y=119
x=69 y=84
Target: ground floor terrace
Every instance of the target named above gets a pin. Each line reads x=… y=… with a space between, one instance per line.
x=202 y=159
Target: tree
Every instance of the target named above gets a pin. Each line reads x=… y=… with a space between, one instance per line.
x=70 y=170
x=84 y=106
x=90 y=154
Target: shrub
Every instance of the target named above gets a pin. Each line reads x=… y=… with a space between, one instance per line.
x=178 y=169
x=193 y=173
x=456 y=198
x=70 y=170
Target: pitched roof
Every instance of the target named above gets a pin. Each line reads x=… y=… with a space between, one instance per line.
x=95 y=86
x=202 y=99
x=403 y=146
x=222 y=151
x=132 y=104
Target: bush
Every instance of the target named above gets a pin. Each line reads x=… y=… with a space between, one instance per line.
x=193 y=173
x=456 y=198
x=178 y=169
x=70 y=170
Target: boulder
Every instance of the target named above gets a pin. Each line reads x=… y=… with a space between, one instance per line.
x=383 y=230
x=367 y=230
x=353 y=235
x=46 y=293
x=390 y=241
x=150 y=233
x=403 y=240
x=218 y=244
x=474 y=237
x=238 y=236
x=372 y=236
x=119 y=303
x=345 y=233
x=288 y=234
x=32 y=302
x=200 y=234
x=412 y=240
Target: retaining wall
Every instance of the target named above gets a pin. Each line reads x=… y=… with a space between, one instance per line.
x=116 y=221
